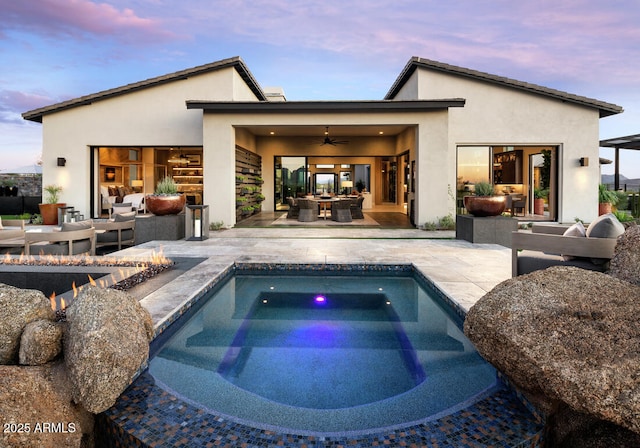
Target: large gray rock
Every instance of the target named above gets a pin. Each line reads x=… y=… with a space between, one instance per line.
x=18 y=307
x=565 y=335
x=106 y=342
x=40 y=397
x=40 y=343
x=625 y=263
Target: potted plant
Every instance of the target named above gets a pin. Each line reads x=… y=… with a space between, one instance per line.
x=240 y=200
x=239 y=179
x=539 y=195
x=166 y=200
x=247 y=210
x=484 y=202
x=606 y=199
x=49 y=209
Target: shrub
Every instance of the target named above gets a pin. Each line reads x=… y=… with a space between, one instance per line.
x=606 y=196
x=447 y=222
x=53 y=192
x=167 y=186
x=484 y=189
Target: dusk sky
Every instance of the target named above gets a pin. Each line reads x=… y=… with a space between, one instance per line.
x=54 y=50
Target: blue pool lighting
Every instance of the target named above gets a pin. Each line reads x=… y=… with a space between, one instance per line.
x=320 y=299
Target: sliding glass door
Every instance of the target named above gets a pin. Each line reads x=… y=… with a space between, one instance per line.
x=290 y=179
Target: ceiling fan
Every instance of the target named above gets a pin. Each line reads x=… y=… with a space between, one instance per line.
x=331 y=141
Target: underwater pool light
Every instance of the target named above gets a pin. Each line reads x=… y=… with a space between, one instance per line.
x=319 y=299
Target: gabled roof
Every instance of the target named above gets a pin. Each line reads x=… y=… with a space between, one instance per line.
x=235 y=62
x=604 y=108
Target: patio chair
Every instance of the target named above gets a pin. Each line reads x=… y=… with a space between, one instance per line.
x=116 y=232
x=356 y=208
x=308 y=210
x=341 y=210
x=518 y=204
x=294 y=208
x=75 y=238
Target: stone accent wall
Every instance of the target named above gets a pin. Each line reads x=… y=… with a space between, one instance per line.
x=28 y=184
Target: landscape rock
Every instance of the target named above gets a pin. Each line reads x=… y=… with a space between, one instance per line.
x=106 y=342
x=565 y=336
x=625 y=263
x=40 y=343
x=39 y=396
x=18 y=308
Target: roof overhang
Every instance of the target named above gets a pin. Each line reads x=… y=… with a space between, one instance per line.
x=235 y=62
x=241 y=107
x=628 y=142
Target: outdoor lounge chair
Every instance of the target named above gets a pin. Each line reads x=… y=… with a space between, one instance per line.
x=540 y=250
x=75 y=238
x=117 y=232
x=11 y=235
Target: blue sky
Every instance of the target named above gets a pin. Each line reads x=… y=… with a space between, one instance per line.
x=54 y=50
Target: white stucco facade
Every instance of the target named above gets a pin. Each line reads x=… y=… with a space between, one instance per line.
x=453 y=107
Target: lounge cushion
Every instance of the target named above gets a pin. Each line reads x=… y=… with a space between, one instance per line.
x=80 y=225
x=112 y=236
x=530 y=260
x=126 y=216
x=605 y=226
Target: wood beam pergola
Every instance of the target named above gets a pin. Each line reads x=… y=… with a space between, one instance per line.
x=628 y=142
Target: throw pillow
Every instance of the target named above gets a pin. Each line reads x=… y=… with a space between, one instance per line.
x=127 y=216
x=605 y=226
x=576 y=230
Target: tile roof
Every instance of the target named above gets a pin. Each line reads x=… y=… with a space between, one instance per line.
x=415 y=62
x=235 y=62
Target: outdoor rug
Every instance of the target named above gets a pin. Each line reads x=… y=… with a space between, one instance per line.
x=366 y=222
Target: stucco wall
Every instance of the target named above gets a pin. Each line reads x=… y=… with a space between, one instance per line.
x=155 y=116
x=495 y=115
x=219 y=149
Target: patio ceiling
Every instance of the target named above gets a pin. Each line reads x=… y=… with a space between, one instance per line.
x=318 y=131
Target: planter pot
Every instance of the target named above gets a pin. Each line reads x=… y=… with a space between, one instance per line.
x=538 y=206
x=49 y=213
x=165 y=204
x=485 y=205
x=604 y=208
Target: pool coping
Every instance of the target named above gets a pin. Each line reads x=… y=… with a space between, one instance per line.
x=110 y=423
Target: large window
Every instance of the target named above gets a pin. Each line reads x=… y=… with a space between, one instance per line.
x=290 y=179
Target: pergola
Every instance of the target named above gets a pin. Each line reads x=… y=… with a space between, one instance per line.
x=628 y=142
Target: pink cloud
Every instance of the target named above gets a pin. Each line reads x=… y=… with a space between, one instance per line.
x=81 y=17
x=13 y=103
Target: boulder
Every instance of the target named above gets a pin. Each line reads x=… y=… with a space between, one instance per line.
x=625 y=263
x=39 y=396
x=106 y=343
x=40 y=343
x=18 y=308
x=568 y=338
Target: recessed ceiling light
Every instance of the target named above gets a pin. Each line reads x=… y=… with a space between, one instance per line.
x=272 y=132
x=380 y=132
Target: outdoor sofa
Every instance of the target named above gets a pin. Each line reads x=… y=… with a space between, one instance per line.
x=555 y=245
x=118 y=231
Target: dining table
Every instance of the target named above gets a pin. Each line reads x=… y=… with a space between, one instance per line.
x=323 y=203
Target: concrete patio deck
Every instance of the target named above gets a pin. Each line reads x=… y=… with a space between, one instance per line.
x=463 y=270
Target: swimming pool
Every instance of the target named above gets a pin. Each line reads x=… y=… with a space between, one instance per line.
x=323 y=354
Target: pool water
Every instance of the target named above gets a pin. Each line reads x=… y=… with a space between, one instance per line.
x=323 y=354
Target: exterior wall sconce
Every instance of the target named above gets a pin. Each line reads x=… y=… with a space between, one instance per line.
x=62 y=161
x=584 y=161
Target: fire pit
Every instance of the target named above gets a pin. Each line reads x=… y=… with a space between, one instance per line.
x=62 y=277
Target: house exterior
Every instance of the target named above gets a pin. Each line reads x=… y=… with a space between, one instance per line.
x=439 y=129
